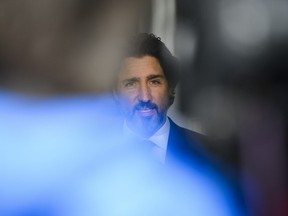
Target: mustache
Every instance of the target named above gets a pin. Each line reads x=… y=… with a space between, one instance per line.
x=148 y=105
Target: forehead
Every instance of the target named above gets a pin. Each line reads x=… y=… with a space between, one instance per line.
x=140 y=67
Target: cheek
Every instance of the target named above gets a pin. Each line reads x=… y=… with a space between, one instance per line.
x=163 y=100
x=127 y=100
x=128 y=96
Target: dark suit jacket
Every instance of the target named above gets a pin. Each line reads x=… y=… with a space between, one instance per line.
x=186 y=146
x=189 y=149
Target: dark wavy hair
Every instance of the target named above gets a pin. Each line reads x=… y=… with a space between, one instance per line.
x=144 y=44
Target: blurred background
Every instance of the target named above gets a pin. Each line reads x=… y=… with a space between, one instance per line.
x=58 y=54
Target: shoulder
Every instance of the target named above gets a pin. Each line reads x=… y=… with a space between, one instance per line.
x=186 y=143
x=189 y=137
x=190 y=149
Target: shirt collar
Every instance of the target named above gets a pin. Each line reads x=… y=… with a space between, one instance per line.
x=160 y=137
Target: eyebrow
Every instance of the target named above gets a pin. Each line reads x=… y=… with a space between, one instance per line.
x=154 y=76
x=134 y=79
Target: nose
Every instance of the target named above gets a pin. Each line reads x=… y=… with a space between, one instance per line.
x=144 y=93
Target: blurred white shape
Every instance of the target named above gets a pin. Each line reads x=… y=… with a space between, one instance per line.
x=187 y=42
x=245 y=25
x=279 y=13
x=163 y=21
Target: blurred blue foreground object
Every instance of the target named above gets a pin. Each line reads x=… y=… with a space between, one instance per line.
x=64 y=156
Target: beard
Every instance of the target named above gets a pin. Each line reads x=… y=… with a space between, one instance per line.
x=145 y=118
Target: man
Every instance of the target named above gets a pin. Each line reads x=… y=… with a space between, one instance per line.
x=146 y=87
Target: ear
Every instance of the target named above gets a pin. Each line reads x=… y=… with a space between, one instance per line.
x=171 y=96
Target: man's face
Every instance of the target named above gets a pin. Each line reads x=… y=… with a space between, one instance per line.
x=144 y=93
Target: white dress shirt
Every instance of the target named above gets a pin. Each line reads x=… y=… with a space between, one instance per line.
x=159 y=138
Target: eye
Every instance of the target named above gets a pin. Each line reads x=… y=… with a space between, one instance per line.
x=155 y=82
x=130 y=84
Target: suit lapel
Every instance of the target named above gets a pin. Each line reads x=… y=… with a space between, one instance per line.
x=175 y=141
x=183 y=145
